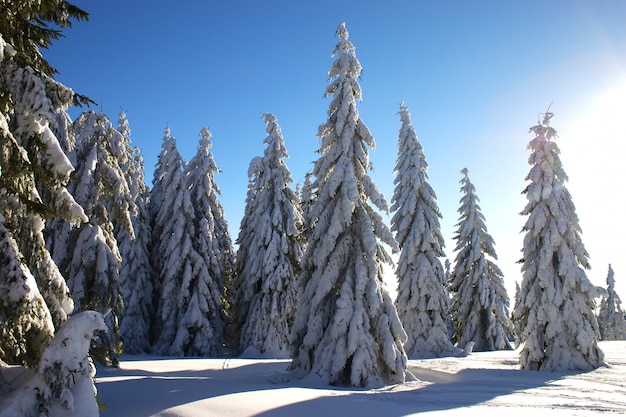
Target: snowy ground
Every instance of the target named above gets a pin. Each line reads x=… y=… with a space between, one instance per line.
x=485 y=384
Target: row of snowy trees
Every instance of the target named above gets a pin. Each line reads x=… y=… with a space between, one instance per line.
x=81 y=231
x=35 y=299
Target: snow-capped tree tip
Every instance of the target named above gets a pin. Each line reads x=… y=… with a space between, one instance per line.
x=341 y=31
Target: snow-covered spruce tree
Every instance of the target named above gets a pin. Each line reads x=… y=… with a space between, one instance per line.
x=34 y=171
x=307 y=197
x=136 y=270
x=168 y=195
x=94 y=263
x=554 y=318
x=422 y=300
x=346 y=329
x=185 y=324
x=168 y=168
x=480 y=304
x=211 y=240
x=611 y=317
x=516 y=301
x=266 y=291
x=246 y=241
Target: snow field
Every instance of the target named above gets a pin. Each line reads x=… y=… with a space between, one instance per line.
x=484 y=383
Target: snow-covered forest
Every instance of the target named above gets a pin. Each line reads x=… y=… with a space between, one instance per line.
x=95 y=262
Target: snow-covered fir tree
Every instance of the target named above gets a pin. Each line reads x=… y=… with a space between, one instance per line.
x=94 y=260
x=268 y=265
x=307 y=197
x=516 y=301
x=168 y=168
x=34 y=172
x=346 y=329
x=136 y=270
x=422 y=300
x=554 y=318
x=211 y=239
x=480 y=304
x=245 y=246
x=188 y=320
x=611 y=317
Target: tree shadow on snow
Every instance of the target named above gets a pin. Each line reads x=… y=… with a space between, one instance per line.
x=435 y=391
x=140 y=393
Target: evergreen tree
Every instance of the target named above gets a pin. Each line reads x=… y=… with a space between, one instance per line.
x=94 y=259
x=30 y=25
x=346 y=328
x=168 y=170
x=247 y=242
x=480 y=306
x=136 y=270
x=186 y=297
x=307 y=198
x=422 y=299
x=518 y=291
x=266 y=297
x=554 y=318
x=211 y=239
x=34 y=170
x=611 y=318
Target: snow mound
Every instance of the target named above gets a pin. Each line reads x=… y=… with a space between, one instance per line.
x=62 y=385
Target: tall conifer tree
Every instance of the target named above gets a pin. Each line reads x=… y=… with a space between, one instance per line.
x=422 y=299
x=611 y=317
x=307 y=197
x=266 y=297
x=554 y=317
x=94 y=259
x=347 y=329
x=135 y=271
x=480 y=306
x=34 y=170
x=211 y=238
x=189 y=319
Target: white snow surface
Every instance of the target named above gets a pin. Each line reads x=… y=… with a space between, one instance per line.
x=484 y=384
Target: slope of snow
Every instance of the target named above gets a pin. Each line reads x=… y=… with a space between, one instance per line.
x=485 y=383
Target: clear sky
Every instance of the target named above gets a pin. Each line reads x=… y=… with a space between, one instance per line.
x=475 y=76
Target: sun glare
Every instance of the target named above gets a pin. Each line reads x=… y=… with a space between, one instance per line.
x=592 y=151
x=592 y=147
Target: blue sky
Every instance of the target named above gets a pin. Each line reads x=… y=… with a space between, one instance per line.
x=475 y=76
